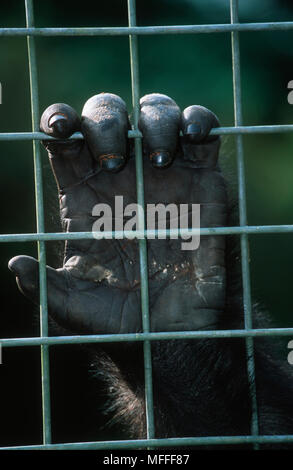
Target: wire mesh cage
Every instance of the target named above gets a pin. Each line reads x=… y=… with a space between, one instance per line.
x=243 y=230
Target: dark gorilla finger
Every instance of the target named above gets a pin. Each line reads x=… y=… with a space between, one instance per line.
x=197 y=121
x=71 y=304
x=198 y=146
x=105 y=124
x=159 y=122
x=70 y=159
x=26 y=270
x=60 y=120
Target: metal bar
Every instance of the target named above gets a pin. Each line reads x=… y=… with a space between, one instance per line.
x=158 y=336
x=133 y=46
x=243 y=214
x=132 y=134
x=248 y=229
x=41 y=136
x=273 y=129
x=157 y=443
x=45 y=366
x=149 y=30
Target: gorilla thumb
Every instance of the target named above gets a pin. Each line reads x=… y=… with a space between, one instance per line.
x=26 y=270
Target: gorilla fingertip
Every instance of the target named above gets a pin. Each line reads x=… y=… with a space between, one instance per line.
x=105 y=125
x=197 y=122
x=159 y=123
x=21 y=264
x=12 y=264
x=16 y=265
x=60 y=120
x=59 y=123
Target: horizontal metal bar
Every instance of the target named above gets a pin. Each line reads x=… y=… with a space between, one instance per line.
x=157 y=443
x=132 y=134
x=154 y=336
x=148 y=30
x=273 y=129
x=32 y=136
x=41 y=136
x=249 y=229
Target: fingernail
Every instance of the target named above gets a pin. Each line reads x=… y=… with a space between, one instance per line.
x=112 y=163
x=193 y=129
x=160 y=159
x=193 y=133
x=59 y=123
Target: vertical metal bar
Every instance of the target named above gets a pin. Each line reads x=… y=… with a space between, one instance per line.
x=141 y=222
x=243 y=213
x=45 y=367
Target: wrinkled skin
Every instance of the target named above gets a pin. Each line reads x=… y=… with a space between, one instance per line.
x=198 y=385
x=98 y=288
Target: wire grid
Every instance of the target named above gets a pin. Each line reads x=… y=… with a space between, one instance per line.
x=243 y=230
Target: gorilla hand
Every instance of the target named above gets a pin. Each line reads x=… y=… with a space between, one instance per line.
x=98 y=288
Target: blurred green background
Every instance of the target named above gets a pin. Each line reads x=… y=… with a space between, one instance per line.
x=192 y=69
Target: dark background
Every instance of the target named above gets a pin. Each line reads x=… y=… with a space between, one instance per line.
x=192 y=69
